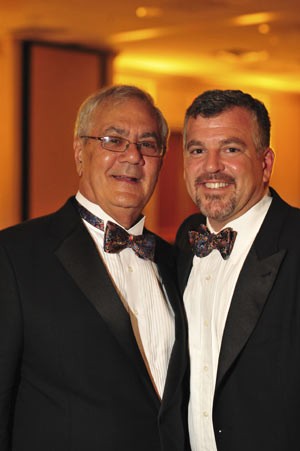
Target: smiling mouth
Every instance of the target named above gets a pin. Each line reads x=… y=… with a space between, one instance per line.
x=216 y=185
x=126 y=178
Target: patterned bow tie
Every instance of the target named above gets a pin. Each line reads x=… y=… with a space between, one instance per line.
x=116 y=238
x=89 y=217
x=203 y=242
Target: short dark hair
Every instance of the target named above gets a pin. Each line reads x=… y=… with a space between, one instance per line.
x=118 y=93
x=213 y=102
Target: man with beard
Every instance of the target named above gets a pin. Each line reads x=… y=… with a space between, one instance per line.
x=239 y=269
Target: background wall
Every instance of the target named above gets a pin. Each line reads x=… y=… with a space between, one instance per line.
x=10 y=132
x=174 y=95
x=59 y=78
x=58 y=82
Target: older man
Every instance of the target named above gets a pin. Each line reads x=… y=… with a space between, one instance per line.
x=92 y=336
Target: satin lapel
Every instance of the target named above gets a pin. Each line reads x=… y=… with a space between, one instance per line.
x=184 y=267
x=80 y=258
x=178 y=358
x=251 y=292
x=183 y=248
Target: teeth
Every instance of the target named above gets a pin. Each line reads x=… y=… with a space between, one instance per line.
x=216 y=185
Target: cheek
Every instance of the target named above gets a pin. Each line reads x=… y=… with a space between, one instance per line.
x=189 y=181
x=99 y=164
x=153 y=170
x=191 y=170
x=108 y=157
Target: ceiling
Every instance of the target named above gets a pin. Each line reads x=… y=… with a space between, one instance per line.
x=235 y=41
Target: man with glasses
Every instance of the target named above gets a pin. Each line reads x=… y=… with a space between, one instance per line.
x=92 y=334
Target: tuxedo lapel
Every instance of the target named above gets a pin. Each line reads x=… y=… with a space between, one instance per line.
x=80 y=258
x=184 y=267
x=252 y=289
x=178 y=357
x=183 y=248
x=250 y=295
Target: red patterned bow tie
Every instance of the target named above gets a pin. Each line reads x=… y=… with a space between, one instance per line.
x=203 y=242
x=116 y=239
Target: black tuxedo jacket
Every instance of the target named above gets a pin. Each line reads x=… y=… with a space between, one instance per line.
x=257 y=394
x=71 y=374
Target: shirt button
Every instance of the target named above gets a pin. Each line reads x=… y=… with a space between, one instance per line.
x=208 y=277
x=205 y=414
x=130 y=268
x=205 y=368
x=205 y=323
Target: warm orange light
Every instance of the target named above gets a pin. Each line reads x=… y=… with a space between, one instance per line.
x=206 y=68
x=243 y=56
x=145 y=11
x=255 y=19
x=264 y=28
x=137 y=35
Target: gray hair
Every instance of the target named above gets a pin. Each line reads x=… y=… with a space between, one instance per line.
x=116 y=93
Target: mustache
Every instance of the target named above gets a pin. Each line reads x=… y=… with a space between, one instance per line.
x=214 y=177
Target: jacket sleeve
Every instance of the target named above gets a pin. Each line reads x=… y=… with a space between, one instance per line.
x=10 y=348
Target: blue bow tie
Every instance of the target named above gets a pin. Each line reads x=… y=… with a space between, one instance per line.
x=203 y=242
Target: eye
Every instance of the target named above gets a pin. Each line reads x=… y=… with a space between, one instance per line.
x=148 y=145
x=232 y=150
x=115 y=140
x=196 y=151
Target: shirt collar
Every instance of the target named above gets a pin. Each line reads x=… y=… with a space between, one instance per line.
x=136 y=229
x=248 y=225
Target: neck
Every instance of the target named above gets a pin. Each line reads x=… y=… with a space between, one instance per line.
x=126 y=217
x=125 y=220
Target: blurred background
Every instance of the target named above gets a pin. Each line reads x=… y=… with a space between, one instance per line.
x=55 y=53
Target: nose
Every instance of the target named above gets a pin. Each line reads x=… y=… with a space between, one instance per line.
x=213 y=162
x=132 y=154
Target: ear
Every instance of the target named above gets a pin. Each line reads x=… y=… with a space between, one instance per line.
x=268 y=162
x=78 y=155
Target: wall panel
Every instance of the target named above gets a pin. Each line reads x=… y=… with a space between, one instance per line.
x=56 y=80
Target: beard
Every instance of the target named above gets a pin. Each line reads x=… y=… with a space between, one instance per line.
x=216 y=207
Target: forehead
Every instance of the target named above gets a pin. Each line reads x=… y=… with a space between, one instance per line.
x=237 y=121
x=129 y=114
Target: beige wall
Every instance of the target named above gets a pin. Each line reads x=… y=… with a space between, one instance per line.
x=10 y=132
x=60 y=78
x=285 y=117
x=173 y=95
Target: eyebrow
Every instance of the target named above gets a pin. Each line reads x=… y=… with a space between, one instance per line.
x=149 y=135
x=222 y=142
x=120 y=131
x=233 y=139
x=194 y=142
x=123 y=132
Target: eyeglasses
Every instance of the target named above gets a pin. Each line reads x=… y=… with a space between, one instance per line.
x=148 y=148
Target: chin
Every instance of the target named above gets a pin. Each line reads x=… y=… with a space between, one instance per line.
x=127 y=201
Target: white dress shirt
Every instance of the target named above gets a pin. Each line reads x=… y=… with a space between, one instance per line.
x=207 y=300
x=140 y=287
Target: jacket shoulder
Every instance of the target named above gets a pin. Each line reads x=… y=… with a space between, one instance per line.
x=164 y=251
x=190 y=223
x=35 y=229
